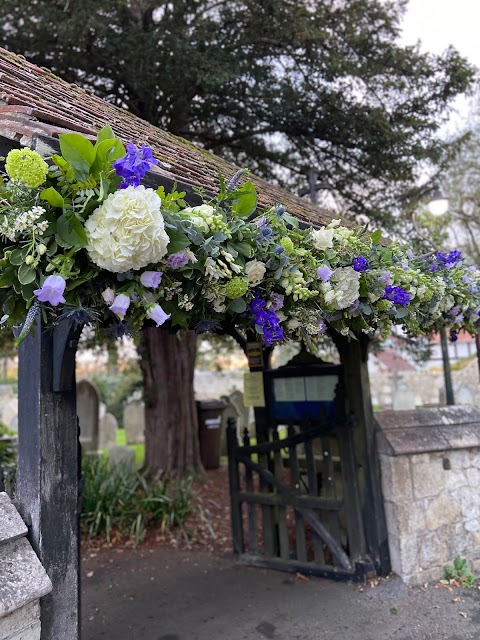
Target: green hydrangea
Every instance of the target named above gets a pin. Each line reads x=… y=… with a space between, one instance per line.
x=236 y=288
x=287 y=244
x=26 y=167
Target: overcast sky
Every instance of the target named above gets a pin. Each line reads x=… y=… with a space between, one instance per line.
x=440 y=23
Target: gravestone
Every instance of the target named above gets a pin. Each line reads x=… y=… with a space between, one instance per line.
x=243 y=412
x=134 y=422
x=403 y=398
x=107 y=435
x=88 y=406
x=464 y=395
x=9 y=413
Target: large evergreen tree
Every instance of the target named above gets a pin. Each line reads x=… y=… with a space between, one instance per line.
x=279 y=86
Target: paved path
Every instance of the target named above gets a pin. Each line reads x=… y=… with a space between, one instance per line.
x=158 y=594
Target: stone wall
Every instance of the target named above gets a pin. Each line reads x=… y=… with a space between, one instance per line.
x=430 y=465
x=23 y=580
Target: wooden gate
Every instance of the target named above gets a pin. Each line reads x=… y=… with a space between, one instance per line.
x=295 y=500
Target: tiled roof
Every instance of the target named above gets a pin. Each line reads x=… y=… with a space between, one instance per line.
x=393 y=362
x=36 y=103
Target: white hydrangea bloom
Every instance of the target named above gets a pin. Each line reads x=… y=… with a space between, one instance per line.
x=346 y=285
x=127 y=231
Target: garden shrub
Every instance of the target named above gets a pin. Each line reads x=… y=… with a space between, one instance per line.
x=120 y=502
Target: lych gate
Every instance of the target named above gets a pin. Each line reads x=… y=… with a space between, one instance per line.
x=299 y=496
x=319 y=482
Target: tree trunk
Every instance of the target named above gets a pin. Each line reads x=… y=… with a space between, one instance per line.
x=171 y=424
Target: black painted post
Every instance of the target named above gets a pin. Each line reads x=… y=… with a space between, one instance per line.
x=47 y=477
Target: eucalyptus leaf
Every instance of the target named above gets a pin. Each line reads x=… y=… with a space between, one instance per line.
x=238 y=305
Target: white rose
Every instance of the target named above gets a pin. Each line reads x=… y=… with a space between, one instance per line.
x=346 y=285
x=127 y=231
x=323 y=238
x=255 y=270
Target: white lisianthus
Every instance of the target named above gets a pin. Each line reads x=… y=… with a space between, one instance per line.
x=255 y=270
x=322 y=238
x=219 y=304
x=346 y=285
x=127 y=231
x=211 y=269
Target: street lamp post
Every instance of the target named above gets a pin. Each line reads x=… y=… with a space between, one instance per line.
x=438 y=206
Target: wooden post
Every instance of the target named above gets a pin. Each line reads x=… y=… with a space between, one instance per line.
x=354 y=356
x=47 y=489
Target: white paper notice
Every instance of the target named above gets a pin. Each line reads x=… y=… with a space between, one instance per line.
x=289 y=389
x=320 y=388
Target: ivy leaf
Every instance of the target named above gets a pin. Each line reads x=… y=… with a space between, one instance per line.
x=52 y=196
x=245 y=201
x=17 y=256
x=244 y=248
x=79 y=153
x=376 y=236
x=105 y=153
x=289 y=219
x=26 y=274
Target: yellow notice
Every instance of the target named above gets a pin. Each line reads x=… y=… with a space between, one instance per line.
x=253 y=394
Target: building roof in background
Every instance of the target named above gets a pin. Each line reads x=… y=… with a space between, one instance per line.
x=389 y=359
x=36 y=104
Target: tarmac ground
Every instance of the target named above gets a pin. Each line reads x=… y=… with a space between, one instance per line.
x=162 y=594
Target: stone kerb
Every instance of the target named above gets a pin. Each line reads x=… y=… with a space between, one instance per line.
x=430 y=464
x=23 y=580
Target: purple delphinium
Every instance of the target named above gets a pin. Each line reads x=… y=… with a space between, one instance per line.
x=397 y=295
x=404 y=264
x=157 y=314
x=452 y=258
x=360 y=264
x=151 y=279
x=51 y=290
x=276 y=301
x=177 y=260
x=324 y=273
x=120 y=305
x=268 y=320
x=134 y=165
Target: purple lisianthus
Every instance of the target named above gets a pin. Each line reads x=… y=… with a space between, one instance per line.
x=52 y=290
x=276 y=301
x=360 y=264
x=410 y=254
x=157 y=314
x=385 y=276
x=322 y=327
x=134 y=165
x=177 y=260
x=397 y=295
x=324 y=273
x=404 y=264
x=261 y=221
x=120 y=305
x=151 y=279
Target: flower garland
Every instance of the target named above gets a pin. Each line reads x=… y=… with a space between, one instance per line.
x=81 y=237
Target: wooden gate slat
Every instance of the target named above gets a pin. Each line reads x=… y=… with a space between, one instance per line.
x=251 y=509
x=281 y=512
x=295 y=483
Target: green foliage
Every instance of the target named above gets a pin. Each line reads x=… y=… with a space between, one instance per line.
x=460 y=572
x=115 y=390
x=280 y=85
x=7 y=450
x=119 y=502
